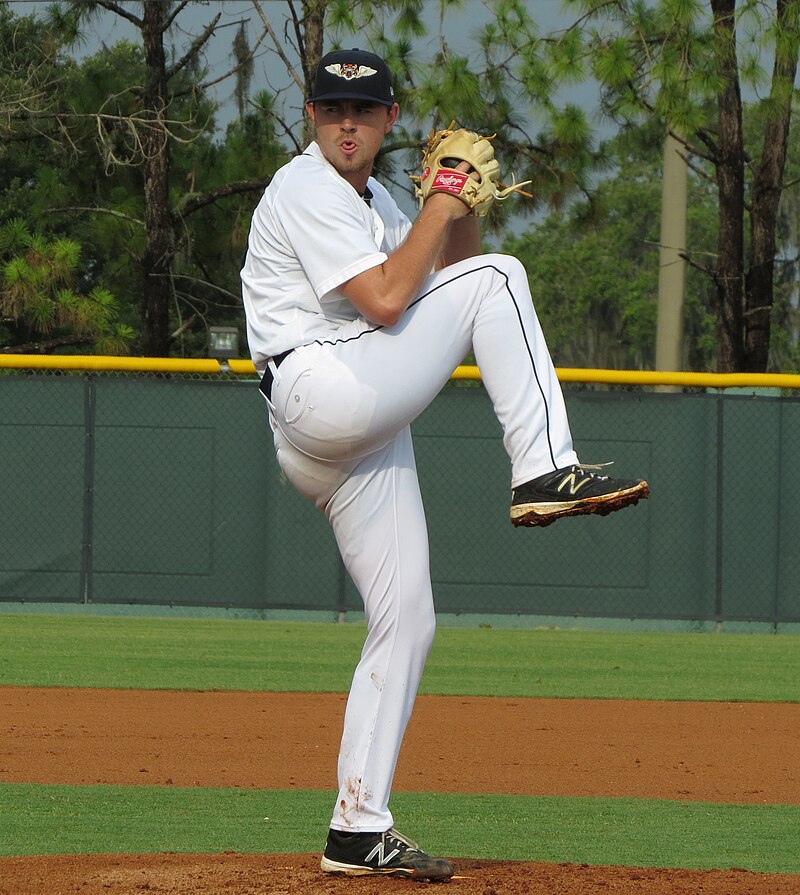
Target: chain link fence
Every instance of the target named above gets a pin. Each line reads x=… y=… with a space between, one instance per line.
x=162 y=489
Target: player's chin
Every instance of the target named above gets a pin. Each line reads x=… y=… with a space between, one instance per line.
x=351 y=163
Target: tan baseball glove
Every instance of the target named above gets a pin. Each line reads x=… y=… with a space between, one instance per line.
x=478 y=189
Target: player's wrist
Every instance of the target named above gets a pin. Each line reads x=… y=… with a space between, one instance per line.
x=446 y=205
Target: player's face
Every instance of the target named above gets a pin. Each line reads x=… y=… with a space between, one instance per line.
x=350 y=133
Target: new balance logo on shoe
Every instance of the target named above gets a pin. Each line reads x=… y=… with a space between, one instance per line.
x=379 y=852
x=572 y=481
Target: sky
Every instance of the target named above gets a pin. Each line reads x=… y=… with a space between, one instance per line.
x=108 y=28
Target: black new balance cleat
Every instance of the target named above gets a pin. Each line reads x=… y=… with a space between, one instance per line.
x=387 y=854
x=572 y=491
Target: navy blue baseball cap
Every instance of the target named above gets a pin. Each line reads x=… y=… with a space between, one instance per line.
x=353 y=74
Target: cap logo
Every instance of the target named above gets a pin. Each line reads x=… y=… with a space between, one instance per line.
x=349 y=70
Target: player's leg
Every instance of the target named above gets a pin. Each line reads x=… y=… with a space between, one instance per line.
x=540 y=494
x=379 y=524
x=351 y=393
x=376 y=513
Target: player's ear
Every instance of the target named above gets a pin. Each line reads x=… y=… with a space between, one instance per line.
x=311 y=111
x=394 y=112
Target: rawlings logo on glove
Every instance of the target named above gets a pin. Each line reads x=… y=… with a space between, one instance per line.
x=478 y=188
x=448 y=182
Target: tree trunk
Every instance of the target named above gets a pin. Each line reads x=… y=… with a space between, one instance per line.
x=730 y=162
x=767 y=187
x=313 y=45
x=159 y=249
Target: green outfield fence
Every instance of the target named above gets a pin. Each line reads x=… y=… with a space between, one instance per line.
x=141 y=481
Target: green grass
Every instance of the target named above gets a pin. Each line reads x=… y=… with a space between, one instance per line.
x=137 y=820
x=281 y=656
x=208 y=654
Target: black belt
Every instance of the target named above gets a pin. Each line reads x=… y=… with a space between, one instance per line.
x=266 y=379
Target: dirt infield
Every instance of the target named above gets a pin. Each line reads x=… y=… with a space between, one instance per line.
x=293 y=874
x=722 y=752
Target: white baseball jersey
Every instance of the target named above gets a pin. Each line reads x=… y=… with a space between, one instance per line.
x=310 y=233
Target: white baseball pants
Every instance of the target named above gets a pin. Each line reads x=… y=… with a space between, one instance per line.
x=341 y=410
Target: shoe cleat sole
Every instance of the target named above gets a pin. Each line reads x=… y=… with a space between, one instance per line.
x=334 y=868
x=541 y=515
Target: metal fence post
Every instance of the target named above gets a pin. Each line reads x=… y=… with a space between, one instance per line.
x=718 y=533
x=89 y=419
x=776 y=589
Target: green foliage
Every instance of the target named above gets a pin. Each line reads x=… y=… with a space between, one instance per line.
x=585 y=294
x=616 y=66
x=38 y=299
x=79 y=177
x=451 y=91
x=402 y=19
x=30 y=50
x=90 y=190
x=93 y=192
x=664 y=62
x=594 y=267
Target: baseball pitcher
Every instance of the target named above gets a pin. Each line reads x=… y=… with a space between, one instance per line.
x=356 y=319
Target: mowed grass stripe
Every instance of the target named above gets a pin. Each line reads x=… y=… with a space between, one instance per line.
x=631 y=832
x=207 y=654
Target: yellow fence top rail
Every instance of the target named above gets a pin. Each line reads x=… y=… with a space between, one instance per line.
x=245 y=367
x=655 y=377
x=107 y=364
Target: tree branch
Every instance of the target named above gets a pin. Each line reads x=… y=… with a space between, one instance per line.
x=194 y=203
x=691 y=148
x=184 y=326
x=248 y=58
x=111 y=6
x=279 y=47
x=175 y=13
x=708 y=271
x=95 y=210
x=194 y=47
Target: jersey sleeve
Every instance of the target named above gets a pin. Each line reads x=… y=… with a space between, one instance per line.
x=330 y=230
